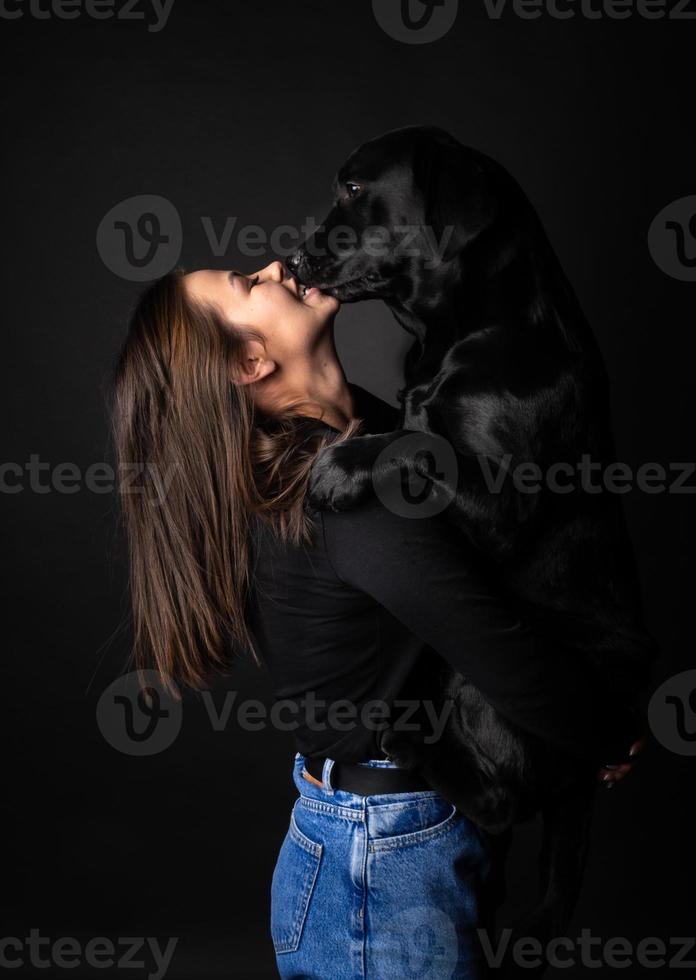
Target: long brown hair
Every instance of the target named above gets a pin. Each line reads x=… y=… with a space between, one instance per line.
x=197 y=464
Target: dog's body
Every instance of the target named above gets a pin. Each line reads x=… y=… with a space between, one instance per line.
x=505 y=368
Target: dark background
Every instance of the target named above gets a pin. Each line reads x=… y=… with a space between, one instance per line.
x=246 y=110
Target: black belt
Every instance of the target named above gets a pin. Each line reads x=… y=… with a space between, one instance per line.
x=366 y=780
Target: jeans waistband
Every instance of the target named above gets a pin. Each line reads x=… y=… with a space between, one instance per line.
x=328 y=796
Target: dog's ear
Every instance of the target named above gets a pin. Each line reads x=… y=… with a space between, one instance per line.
x=458 y=202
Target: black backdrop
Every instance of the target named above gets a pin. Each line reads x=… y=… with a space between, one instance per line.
x=245 y=110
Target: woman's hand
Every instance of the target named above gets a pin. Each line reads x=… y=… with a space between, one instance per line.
x=610 y=775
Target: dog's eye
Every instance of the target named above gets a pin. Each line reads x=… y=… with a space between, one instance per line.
x=352 y=188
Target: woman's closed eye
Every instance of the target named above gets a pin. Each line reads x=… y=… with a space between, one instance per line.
x=249 y=281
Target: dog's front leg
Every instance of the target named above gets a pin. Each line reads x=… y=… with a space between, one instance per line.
x=344 y=474
x=483 y=502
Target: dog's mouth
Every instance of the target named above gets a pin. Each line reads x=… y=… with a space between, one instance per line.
x=350 y=289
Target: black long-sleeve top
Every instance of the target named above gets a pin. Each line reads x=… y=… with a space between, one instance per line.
x=351 y=617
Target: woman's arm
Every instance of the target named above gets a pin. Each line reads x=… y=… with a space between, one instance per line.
x=432 y=582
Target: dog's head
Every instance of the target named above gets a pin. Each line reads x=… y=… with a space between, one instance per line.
x=406 y=205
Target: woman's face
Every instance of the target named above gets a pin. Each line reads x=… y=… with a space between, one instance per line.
x=270 y=302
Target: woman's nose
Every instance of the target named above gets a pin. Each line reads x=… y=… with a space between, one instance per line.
x=274 y=272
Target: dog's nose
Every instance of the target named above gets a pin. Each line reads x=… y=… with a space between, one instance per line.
x=294 y=262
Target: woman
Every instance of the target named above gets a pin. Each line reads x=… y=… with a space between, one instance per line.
x=227 y=388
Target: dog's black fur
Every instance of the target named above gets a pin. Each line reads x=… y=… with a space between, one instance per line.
x=505 y=367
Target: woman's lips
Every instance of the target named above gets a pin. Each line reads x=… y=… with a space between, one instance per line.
x=306 y=292
x=310 y=293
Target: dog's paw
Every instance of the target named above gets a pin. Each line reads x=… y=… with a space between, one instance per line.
x=338 y=481
x=400 y=749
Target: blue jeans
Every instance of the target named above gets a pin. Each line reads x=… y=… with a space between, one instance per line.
x=383 y=887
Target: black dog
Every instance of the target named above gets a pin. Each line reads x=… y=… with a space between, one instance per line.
x=505 y=368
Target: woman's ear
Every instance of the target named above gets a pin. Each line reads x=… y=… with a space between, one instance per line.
x=253 y=366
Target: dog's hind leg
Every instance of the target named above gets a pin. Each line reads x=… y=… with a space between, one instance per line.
x=566 y=821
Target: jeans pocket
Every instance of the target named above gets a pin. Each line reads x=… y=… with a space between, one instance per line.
x=294 y=878
x=419 y=825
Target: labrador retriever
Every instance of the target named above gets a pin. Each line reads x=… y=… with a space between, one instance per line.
x=505 y=368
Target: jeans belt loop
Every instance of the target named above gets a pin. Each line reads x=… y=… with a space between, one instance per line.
x=326 y=776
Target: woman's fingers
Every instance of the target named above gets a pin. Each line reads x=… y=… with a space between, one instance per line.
x=608 y=776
